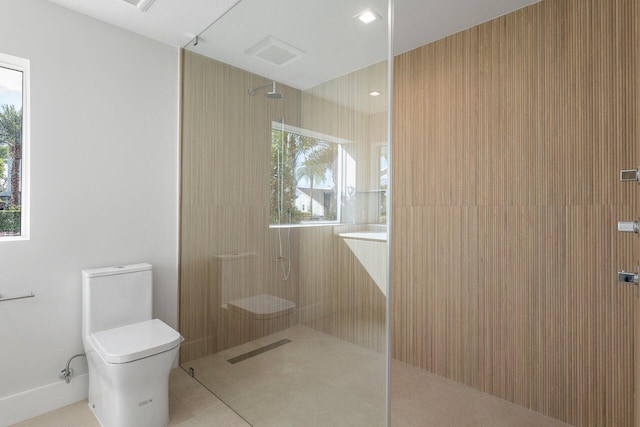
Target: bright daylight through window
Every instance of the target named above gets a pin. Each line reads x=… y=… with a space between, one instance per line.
x=313 y=177
x=13 y=148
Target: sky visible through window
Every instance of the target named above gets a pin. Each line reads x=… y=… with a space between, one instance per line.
x=10 y=87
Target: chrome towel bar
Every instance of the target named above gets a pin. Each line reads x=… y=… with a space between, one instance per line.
x=31 y=295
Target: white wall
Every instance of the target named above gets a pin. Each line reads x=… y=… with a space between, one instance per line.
x=104 y=156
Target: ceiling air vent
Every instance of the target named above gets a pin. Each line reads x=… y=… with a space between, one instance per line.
x=275 y=51
x=142 y=5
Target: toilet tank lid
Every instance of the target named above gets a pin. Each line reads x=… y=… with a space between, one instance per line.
x=136 y=341
x=118 y=269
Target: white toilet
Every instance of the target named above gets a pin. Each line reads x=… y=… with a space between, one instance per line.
x=130 y=354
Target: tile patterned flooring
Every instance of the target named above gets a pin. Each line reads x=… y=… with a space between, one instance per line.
x=420 y=398
x=190 y=405
x=294 y=385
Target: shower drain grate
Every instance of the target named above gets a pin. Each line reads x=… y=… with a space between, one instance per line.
x=258 y=351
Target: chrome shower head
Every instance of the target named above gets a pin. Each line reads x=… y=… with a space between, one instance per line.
x=271 y=94
x=274 y=95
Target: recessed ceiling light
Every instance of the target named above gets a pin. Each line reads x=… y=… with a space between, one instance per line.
x=374 y=93
x=367 y=16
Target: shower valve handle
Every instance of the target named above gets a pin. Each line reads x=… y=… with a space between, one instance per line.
x=630 y=175
x=626 y=277
x=629 y=226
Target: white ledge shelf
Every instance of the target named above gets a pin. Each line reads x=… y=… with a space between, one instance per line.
x=377 y=236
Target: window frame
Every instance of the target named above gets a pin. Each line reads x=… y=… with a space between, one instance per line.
x=24 y=66
x=340 y=179
x=376 y=173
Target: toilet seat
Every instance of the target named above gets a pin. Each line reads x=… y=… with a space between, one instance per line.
x=136 y=341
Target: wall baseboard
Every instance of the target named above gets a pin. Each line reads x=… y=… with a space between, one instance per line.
x=37 y=401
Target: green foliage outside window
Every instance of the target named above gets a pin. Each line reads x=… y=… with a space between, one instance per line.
x=10 y=221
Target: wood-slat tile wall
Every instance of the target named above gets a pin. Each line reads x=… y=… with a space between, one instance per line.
x=225 y=209
x=508 y=141
x=339 y=295
x=225 y=205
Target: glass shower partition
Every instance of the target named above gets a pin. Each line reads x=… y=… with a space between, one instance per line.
x=284 y=239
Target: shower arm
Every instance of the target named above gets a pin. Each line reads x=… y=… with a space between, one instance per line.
x=253 y=90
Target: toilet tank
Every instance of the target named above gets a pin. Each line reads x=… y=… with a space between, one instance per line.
x=116 y=296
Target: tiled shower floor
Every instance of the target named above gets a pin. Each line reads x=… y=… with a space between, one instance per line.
x=313 y=380
x=294 y=385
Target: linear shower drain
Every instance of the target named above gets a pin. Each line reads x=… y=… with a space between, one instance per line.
x=258 y=351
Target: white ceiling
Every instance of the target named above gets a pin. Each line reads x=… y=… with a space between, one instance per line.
x=173 y=22
x=334 y=42
x=418 y=22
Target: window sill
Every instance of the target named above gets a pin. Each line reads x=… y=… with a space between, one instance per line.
x=309 y=225
x=13 y=238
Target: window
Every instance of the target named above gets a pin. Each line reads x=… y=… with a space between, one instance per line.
x=383 y=180
x=14 y=147
x=313 y=177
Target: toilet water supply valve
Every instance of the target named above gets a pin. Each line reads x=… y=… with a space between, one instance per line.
x=67 y=372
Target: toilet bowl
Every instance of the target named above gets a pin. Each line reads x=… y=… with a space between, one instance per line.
x=129 y=354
